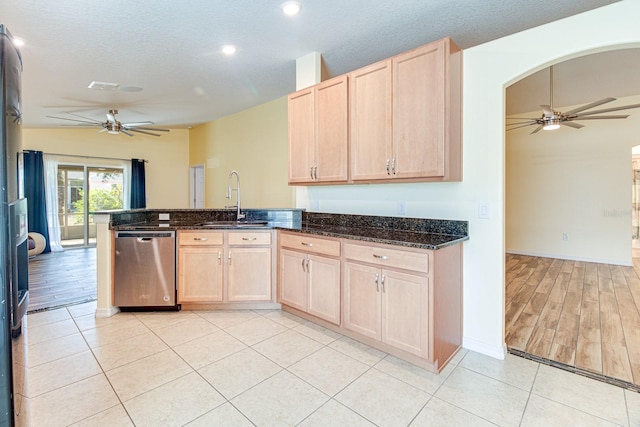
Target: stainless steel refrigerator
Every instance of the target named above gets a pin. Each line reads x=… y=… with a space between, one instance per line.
x=14 y=296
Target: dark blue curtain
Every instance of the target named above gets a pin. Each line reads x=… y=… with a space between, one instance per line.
x=138 y=190
x=34 y=192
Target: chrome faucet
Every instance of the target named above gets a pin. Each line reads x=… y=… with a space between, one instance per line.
x=230 y=190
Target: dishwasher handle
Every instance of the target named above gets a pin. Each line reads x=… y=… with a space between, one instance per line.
x=145 y=236
x=144 y=239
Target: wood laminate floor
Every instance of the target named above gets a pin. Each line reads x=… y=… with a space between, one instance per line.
x=580 y=314
x=57 y=279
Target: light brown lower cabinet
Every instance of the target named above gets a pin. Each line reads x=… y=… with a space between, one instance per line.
x=225 y=266
x=404 y=301
x=249 y=274
x=309 y=281
x=388 y=306
x=200 y=274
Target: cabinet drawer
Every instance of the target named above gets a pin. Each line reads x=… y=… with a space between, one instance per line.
x=388 y=257
x=200 y=238
x=307 y=243
x=249 y=238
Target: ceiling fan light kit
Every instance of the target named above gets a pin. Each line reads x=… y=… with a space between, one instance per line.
x=551 y=119
x=113 y=125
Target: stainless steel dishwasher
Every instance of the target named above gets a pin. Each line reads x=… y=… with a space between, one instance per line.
x=145 y=269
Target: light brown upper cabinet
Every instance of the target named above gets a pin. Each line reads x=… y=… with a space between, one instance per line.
x=405 y=116
x=318 y=133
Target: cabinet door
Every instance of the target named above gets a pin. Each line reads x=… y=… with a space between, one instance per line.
x=405 y=308
x=332 y=125
x=362 y=306
x=324 y=288
x=249 y=274
x=301 y=135
x=370 y=121
x=199 y=274
x=419 y=112
x=293 y=288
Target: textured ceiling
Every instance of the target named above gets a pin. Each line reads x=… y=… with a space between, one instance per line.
x=172 y=48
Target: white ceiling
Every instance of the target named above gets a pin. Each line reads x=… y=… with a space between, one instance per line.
x=172 y=48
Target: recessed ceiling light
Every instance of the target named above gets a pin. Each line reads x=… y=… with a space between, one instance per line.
x=291 y=7
x=228 y=49
x=106 y=86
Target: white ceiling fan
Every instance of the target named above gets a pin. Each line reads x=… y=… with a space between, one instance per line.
x=552 y=119
x=113 y=125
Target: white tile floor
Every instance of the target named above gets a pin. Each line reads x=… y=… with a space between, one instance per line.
x=269 y=368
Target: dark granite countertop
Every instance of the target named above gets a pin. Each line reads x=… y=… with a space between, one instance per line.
x=414 y=239
x=421 y=233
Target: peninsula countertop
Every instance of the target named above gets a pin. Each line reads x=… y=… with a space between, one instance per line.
x=421 y=233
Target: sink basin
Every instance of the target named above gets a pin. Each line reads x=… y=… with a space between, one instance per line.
x=233 y=224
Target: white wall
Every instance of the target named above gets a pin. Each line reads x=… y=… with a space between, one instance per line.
x=488 y=69
x=576 y=182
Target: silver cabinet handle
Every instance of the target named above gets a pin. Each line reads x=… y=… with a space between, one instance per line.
x=203 y=239
x=219 y=258
x=382 y=283
x=303 y=269
x=387 y=167
x=315 y=172
x=306 y=244
x=393 y=166
x=229 y=258
x=311 y=171
x=249 y=238
x=306 y=262
x=382 y=257
x=377 y=283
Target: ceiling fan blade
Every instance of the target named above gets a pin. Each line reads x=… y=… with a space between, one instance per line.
x=143 y=131
x=572 y=125
x=548 y=111
x=137 y=124
x=102 y=130
x=82 y=117
x=601 y=117
x=589 y=106
x=125 y=132
x=530 y=122
x=521 y=118
x=521 y=126
x=144 y=128
x=95 y=123
x=536 y=130
x=609 y=110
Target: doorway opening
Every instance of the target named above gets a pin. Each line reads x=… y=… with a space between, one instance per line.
x=83 y=190
x=196 y=187
x=635 y=203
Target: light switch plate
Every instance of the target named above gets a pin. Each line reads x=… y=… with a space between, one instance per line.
x=484 y=212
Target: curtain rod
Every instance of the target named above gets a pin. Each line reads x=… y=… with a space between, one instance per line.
x=88 y=157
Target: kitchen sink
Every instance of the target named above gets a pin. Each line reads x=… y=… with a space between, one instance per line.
x=232 y=224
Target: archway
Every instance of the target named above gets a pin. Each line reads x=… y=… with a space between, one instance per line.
x=489 y=69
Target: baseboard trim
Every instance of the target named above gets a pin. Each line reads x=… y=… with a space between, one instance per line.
x=570 y=258
x=497 y=352
x=107 y=312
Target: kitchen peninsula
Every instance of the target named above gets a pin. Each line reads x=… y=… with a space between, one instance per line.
x=393 y=283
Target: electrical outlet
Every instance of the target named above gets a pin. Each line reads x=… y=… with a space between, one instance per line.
x=163 y=217
x=565 y=236
x=402 y=208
